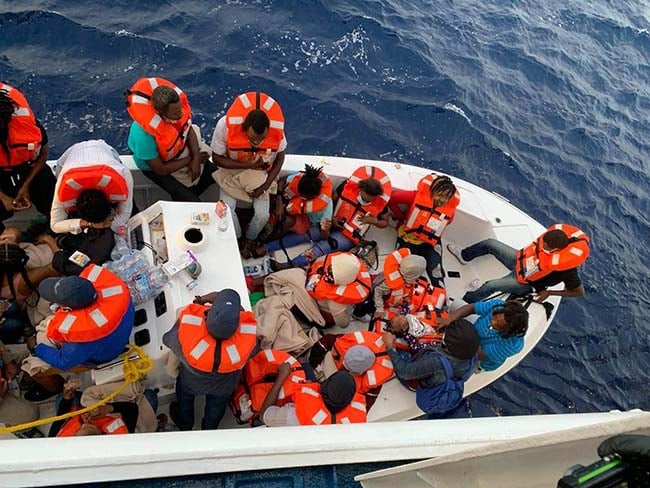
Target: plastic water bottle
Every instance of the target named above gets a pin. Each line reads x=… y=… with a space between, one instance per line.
x=221 y=210
x=120 y=249
x=158 y=278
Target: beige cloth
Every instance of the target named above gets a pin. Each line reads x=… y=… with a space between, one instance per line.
x=172 y=365
x=183 y=175
x=290 y=285
x=14 y=410
x=147 y=421
x=238 y=182
x=32 y=364
x=278 y=328
x=341 y=313
x=39 y=254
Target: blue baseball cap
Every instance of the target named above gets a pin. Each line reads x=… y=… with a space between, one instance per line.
x=222 y=320
x=72 y=291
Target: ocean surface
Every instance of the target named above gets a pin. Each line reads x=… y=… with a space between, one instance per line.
x=546 y=103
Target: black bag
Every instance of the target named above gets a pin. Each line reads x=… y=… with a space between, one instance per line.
x=97 y=244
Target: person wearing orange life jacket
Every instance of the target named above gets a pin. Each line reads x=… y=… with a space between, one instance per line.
x=25 y=177
x=334 y=401
x=91 y=326
x=213 y=343
x=359 y=202
x=552 y=258
x=249 y=144
x=166 y=146
x=429 y=210
x=337 y=282
x=91 y=165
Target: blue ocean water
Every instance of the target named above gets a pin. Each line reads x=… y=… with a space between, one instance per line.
x=544 y=102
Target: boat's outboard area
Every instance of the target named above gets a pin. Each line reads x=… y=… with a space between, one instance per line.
x=275 y=289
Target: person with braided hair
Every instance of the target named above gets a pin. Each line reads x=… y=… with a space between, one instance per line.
x=501 y=327
x=24 y=175
x=430 y=209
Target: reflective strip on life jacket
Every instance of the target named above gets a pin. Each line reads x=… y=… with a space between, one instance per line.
x=23 y=135
x=352 y=293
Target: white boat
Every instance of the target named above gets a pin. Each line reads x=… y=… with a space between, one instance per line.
x=482 y=214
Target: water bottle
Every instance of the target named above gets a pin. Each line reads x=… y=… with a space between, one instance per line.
x=221 y=210
x=158 y=278
x=120 y=249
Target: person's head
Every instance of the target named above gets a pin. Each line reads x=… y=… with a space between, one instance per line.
x=442 y=189
x=338 y=391
x=222 y=319
x=461 y=340
x=11 y=235
x=412 y=267
x=554 y=240
x=399 y=325
x=7 y=107
x=344 y=268
x=510 y=320
x=70 y=292
x=310 y=184
x=93 y=206
x=167 y=103
x=358 y=359
x=369 y=189
x=256 y=126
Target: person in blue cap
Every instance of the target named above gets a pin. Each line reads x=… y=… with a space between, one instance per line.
x=91 y=326
x=213 y=341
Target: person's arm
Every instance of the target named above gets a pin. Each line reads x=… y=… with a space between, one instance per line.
x=284 y=370
x=270 y=177
x=379 y=293
x=123 y=210
x=400 y=202
x=69 y=356
x=59 y=221
x=321 y=348
x=459 y=313
x=207 y=298
x=380 y=222
x=22 y=199
x=568 y=293
x=410 y=369
x=36 y=275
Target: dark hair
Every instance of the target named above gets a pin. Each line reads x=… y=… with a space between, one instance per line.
x=13 y=260
x=258 y=120
x=556 y=239
x=371 y=186
x=310 y=184
x=443 y=185
x=93 y=206
x=162 y=96
x=516 y=317
x=7 y=107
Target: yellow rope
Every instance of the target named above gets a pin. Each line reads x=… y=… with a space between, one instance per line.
x=134 y=369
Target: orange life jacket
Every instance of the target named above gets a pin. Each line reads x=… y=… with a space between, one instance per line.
x=533 y=263
x=24 y=137
x=101 y=177
x=429 y=304
x=108 y=424
x=381 y=370
x=100 y=318
x=300 y=205
x=260 y=374
x=171 y=138
x=392 y=275
x=199 y=347
x=425 y=221
x=239 y=147
x=311 y=409
x=352 y=293
x=349 y=211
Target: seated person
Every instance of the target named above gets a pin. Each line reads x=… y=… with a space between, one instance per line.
x=304 y=202
x=359 y=202
x=165 y=145
x=335 y=401
x=91 y=326
x=362 y=354
x=551 y=259
x=112 y=418
x=13 y=410
x=249 y=145
x=337 y=282
x=411 y=333
x=438 y=372
x=430 y=209
x=40 y=252
x=501 y=327
x=91 y=165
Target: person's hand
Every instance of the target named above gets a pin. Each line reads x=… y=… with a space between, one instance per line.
x=279 y=211
x=258 y=191
x=10 y=370
x=326 y=225
x=22 y=200
x=284 y=369
x=70 y=388
x=309 y=255
x=542 y=296
x=30 y=342
x=194 y=168
x=203 y=157
x=369 y=219
x=442 y=322
x=100 y=411
x=4 y=387
x=378 y=315
x=7 y=202
x=389 y=339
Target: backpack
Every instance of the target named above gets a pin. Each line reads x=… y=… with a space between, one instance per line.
x=445 y=396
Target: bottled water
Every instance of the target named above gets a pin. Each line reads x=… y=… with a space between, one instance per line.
x=144 y=281
x=221 y=210
x=120 y=249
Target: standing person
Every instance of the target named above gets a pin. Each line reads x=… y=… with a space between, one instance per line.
x=24 y=175
x=91 y=165
x=165 y=144
x=501 y=327
x=431 y=209
x=213 y=343
x=249 y=145
x=552 y=258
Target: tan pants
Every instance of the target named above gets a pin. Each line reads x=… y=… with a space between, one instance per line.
x=340 y=314
x=13 y=410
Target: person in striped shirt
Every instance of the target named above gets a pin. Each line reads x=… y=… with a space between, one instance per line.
x=501 y=327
